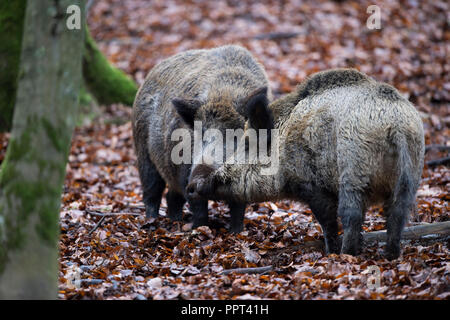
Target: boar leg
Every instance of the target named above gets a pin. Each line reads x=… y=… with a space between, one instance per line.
x=152 y=185
x=324 y=209
x=350 y=210
x=397 y=215
x=175 y=202
x=237 y=211
x=199 y=209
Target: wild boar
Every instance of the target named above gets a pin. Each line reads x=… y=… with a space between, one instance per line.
x=345 y=142
x=207 y=86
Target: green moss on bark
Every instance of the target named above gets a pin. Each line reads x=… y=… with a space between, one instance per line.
x=32 y=174
x=27 y=195
x=107 y=83
x=57 y=134
x=12 y=15
x=85 y=99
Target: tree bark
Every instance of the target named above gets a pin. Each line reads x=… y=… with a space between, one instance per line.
x=105 y=82
x=32 y=173
x=11 y=27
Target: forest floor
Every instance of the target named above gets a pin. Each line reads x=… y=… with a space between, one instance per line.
x=116 y=253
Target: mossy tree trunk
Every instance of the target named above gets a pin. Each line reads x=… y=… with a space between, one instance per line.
x=11 y=27
x=105 y=82
x=33 y=171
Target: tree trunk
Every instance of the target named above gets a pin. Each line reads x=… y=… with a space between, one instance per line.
x=11 y=27
x=33 y=170
x=106 y=83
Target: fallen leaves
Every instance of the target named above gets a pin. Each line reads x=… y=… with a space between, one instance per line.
x=129 y=257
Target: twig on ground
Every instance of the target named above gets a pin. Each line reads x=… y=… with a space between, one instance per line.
x=276 y=35
x=438 y=161
x=413 y=232
x=248 y=270
x=439 y=147
x=97 y=225
x=109 y=214
x=135 y=206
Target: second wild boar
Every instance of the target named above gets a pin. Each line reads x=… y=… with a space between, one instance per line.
x=346 y=142
x=211 y=86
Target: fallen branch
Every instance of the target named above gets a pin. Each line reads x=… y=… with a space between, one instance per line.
x=91 y=281
x=413 y=232
x=110 y=214
x=248 y=270
x=409 y=233
x=439 y=147
x=438 y=161
x=97 y=225
x=276 y=35
x=136 y=206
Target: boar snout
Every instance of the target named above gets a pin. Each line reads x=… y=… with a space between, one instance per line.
x=200 y=182
x=192 y=191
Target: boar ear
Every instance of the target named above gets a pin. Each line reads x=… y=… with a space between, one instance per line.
x=257 y=110
x=186 y=108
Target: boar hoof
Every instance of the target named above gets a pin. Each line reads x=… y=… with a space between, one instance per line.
x=332 y=247
x=175 y=203
x=350 y=248
x=200 y=222
x=237 y=229
x=392 y=253
x=199 y=210
x=177 y=216
x=151 y=212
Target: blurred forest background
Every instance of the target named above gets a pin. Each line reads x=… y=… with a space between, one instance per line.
x=107 y=244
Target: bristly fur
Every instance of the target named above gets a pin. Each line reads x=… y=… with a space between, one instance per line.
x=346 y=142
x=205 y=85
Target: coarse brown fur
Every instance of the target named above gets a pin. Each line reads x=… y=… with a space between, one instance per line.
x=208 y=85
x=346 y=142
